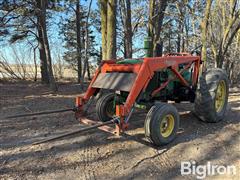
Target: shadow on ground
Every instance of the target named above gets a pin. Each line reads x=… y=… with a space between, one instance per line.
x=91 y=150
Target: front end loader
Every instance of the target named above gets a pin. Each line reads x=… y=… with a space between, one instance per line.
x=151 y=82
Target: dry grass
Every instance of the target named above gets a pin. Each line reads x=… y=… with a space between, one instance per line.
x=28 y=72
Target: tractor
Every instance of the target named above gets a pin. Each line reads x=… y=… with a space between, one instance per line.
x=151 y=82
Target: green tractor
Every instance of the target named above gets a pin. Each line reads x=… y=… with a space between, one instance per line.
x=176 y=77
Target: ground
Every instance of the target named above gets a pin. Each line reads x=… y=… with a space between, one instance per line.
x=99 y=155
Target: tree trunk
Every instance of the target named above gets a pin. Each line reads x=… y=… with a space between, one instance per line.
x=157 y=9
x=151 y=23
x=35 y=63
x=103 y=11
x=86 y=46
x=186 y=24
x=227 y=25
x=231 y=70
x=169 y=39
x=35 y=60
x=79 y=56
x=223 y=49
x=220 y=59
x=179 y=37
x=204 y=29
x=111 y=29
x=182 y=38
x=99 y=59
x=88 y=71
x=42 y=54
x=129 y=32
x=127 y=25
x=41 y=4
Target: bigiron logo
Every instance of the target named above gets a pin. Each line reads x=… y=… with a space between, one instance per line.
x=209 y=169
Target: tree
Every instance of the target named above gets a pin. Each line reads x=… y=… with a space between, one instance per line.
x=86 y=62
x=108 y=28
x=79 y=44
x=181 y=9
x=27 y=19
x=204 y=28
x=131 y=27
x=225 y=23
x=103 y=12
x=156 y=11
x=111 y=29
x=126 y=17
x=79 y=40
x=44 y=49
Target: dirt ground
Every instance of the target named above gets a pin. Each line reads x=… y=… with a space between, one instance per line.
x=99 y=155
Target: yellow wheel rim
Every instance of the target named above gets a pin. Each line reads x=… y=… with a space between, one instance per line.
x=167 y=125
x=220 y=96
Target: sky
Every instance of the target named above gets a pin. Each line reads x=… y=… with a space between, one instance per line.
x=55 y=40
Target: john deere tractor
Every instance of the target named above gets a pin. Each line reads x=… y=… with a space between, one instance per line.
x=151 y=82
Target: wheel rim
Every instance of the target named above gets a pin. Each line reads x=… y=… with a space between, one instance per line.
x=220 y=96
x=110 y=109
x=167 y=125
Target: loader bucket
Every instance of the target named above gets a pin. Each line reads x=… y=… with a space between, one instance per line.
x=115 y=81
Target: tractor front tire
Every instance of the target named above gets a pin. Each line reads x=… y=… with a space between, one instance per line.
x=161 y=124
x=105 y=107
x=212 y=96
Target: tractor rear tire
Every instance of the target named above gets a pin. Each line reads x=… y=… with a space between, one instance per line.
x=161 y=124
x=105 y=107
x=212 y=96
